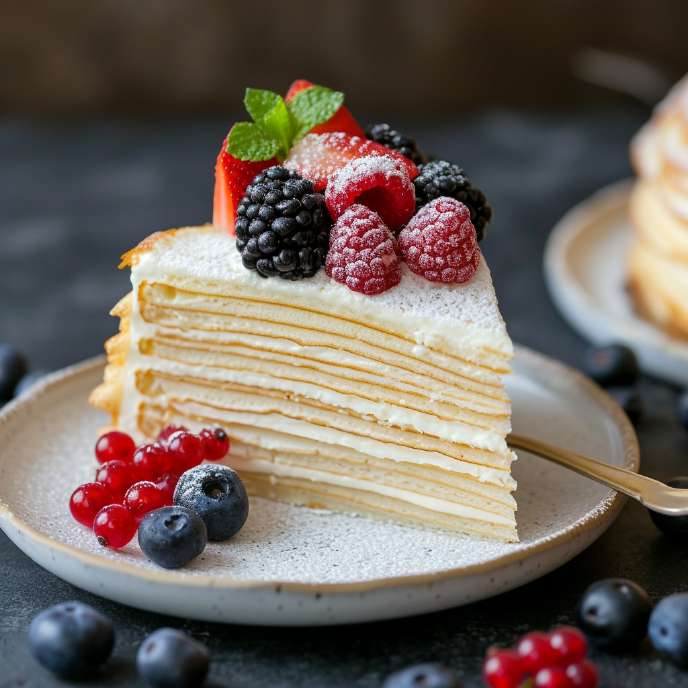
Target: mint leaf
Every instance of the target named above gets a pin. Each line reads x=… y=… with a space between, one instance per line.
x=277 y=124
x=248 y=141
x=313 y=106
x=259 y=103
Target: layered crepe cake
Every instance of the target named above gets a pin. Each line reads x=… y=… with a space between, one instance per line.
x=658 y=259
x=388 y=405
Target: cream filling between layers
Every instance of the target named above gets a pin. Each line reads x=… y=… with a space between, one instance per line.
x=423 y=501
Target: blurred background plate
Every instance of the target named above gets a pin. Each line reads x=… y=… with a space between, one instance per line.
x=585 y=269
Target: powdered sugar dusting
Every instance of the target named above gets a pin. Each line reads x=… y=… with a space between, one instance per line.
x=369 y=166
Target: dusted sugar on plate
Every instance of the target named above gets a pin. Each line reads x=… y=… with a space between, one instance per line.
x=337 y=320
x=658 y=259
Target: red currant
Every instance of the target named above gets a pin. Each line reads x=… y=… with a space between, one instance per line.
x=582 y=675
x=569 y=644
x=118 y=477
x=167 y=432
x=114 y=526
x=552 y=677
x=186 y=451
x=87 y=500
x=166 y=484
x=143 y=497
x=115 y=446
x=150 y=461
x=503 y=669
x=536 y=652
x=215 y=443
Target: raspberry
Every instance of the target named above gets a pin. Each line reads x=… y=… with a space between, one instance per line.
x=114 y=526
x=317 y=156
x=87 y=500
x=113 y=446
x=440 y=243
x=381 y=183
x=361 y=252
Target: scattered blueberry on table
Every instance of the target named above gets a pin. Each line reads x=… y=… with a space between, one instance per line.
x=71 y=639
x=12 y=368
x=611 y=366
x=668 y=629
x=674 y=527
x=613 y=613
x=172 y=536
x=169 y=658
x=217 y=495
x=423 y=676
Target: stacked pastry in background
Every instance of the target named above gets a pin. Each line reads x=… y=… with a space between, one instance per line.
x=391 y=406
x=658 y=259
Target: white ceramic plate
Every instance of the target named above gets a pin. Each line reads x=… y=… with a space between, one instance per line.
x=295 y=566
x=585 y=268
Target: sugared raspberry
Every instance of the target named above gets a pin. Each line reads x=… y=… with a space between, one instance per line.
x=143 y=497
x=115 y=446
x=361 y=252
x=215 y=443
x=440 y=242
x=118 y=477
x=87 y=500
x=114 y=526
x=168 y=431
x=150 y=461
x=380 y=183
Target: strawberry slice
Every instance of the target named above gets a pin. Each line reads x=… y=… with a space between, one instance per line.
x=232 y=176
x=342 y=120
x=317 y=156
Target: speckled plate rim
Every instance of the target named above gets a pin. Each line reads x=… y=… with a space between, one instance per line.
x=606 y=509
x=581 y=310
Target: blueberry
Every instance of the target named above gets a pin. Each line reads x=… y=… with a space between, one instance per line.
x=613 y=614
x=71 y=639
x=630 y=401
x=12 y=368
x=611 y=366
x=668 y=629
x=172 y=536
x=674 y=527
x=217 y=495
x=169 y=658
x=423 y=676
x=29 y=380
x=682 y=410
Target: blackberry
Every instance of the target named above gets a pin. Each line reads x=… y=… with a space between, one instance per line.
x=282 y=226
x=442 y=178
x=386 y=136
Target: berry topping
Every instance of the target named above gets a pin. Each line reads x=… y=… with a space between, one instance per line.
x=535 y=652
x=668 y=629
x=441 y=178
x=361 y=252
x=115 y=446
x=71 y=639
x=582 y=675
x=169 y=658
x=215 y=443
x=423 y=676
x=613 y=614
x=217 y=494
x=552 y=677
x=143 y=497
x=12 y=368
x=674 y=527
x=87 y=500
x=185 y=450
x=232 y=176
x=503 y=669
x=283 y=226
x=342 y=120
x=114 y=526
x=166 y=483
x=569 y=645
x=439 y=243
x=317 y=156
x=118 y=477
x=386 y=136
x=150 y=461
x=168 y=431
x=380 y=183
x=172 y=536
x=611 y=366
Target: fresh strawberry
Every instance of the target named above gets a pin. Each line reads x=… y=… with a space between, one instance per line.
x=342 y=120
x=232 y=176
x=317 y=156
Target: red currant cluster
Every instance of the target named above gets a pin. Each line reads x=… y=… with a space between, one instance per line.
x=545 y=660
x=133 y=481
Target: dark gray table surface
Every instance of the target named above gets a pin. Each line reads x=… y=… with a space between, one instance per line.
x=76 y=195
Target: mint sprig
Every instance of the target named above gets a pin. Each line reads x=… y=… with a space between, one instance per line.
x=277 y=125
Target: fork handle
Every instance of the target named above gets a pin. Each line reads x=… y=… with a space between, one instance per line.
x=653 y=494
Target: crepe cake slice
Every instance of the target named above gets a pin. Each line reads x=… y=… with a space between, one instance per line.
x=391 y=405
